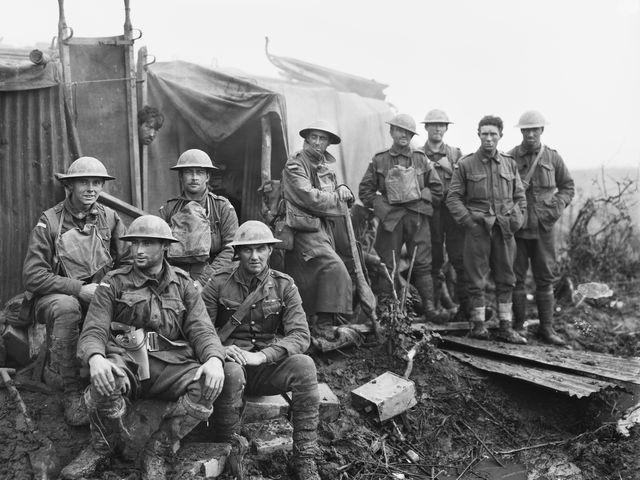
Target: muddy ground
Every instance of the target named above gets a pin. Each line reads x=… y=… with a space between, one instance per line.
x=461 y=415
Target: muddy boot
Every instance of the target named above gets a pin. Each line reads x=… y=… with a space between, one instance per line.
x=235 y=460
x=106 y=428
x=424 y=285
x=546 y=332
x=505 y=332
x=478 y=328
x=184 y=417
x=519 y=311
x=304 y=468
x=63 y=355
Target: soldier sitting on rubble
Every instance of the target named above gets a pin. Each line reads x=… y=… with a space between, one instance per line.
x=73 y=245
x=259 y=316
x=147 y=335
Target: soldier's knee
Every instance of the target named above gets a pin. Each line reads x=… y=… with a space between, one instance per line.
x=304 y=368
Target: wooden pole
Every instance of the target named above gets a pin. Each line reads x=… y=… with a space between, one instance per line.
x=141 y=87
x=265 y=163
x=132 y=110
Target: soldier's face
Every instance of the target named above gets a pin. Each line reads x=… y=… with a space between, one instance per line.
x=531 y=136
x=85 y=191
x=318 y=140
x=436 y=131
x=254 y=258
x=401 y=137
x=194 y=180
x=489 y=136
x=147 y=253
x=147 y=133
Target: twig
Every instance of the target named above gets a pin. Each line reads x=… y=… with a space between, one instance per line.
x=483 y=444
x=405 y=287
x=556 y=442
x=466 y=468
x=411 y=354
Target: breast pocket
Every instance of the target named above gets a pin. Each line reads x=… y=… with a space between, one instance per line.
x=477 y=186
x=507 y=180
x=546 y=176
x=172 y=316
x=271 y=306
x=132 y=308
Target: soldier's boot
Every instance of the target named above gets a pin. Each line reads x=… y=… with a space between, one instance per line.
x=183 y=418
x=424 y=285
x=305 y=411
x=519 y=311
x=545 y=301
x=63 y=354
x=226 y=423
x=506 y=332
x=478 y=327
x=106 y=428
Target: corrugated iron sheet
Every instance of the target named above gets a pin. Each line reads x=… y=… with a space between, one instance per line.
x=600 y=365
x=33 y=146
x=573 y=385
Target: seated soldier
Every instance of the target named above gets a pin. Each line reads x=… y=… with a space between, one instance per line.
x=73 y=245
x=147 y=336
x=260 y=321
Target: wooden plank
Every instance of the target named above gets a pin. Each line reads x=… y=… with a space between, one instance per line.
x=568 y=383
x=141 y=85
x=120 y=205
x=603 y=366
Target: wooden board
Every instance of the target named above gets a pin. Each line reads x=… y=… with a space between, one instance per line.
x=607 y=367
x=568 y=383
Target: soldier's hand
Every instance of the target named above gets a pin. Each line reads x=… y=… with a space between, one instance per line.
x=344 y=194
x=213 y=379
x=87 y=291
x=255 y=358
x=234 y=353
x=103 y=373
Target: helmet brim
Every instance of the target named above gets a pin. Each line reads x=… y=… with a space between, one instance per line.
x=403 y=128
x=253 y=242
x=333 y=138
x=130 y=238
x=206 y=167
x=63 y=176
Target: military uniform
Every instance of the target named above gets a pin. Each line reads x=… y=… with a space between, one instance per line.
x=404 y=220
x=169 y=313
x=551 y=189
x=321 y=248
x=67 y=249
x=486 y=197
x=276 y=326
x=223 y=223
x=445 y=231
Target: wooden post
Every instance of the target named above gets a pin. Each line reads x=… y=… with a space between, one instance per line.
x=141 y=72
x=132 y=110
x=69 y=105
x=265 y=161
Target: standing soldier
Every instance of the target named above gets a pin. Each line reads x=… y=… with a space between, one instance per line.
x=403 y=187
x=71 y=248
x=444 y=229
x=549 y=188
x=315 y=209
x=204 y=223
x=147 y=336
x=486 y=197
x=259 y=317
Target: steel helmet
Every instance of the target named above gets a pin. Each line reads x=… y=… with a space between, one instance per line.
x=404 y=121
x=85 y=167
x=436 y=116
x=325 y=127
x=149 y=226
x=194 y=158
x=531 y=119
x=253 y=232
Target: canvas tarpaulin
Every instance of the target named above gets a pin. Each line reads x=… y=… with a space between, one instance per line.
x=24 y=75
x=205 y=109
x=360 y=122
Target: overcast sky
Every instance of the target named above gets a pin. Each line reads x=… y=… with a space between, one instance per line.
x=577 y=61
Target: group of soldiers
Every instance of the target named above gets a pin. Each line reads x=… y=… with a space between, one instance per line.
x=184 y=307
